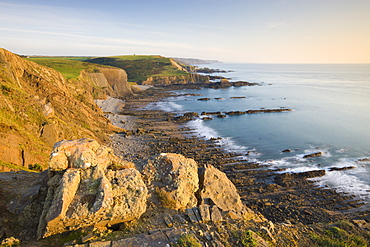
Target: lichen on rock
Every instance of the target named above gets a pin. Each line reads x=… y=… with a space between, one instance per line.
x=84 y=192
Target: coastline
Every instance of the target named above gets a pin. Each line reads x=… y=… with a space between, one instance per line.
x=279 y=197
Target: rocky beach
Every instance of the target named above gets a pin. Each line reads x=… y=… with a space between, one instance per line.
x=278 y=196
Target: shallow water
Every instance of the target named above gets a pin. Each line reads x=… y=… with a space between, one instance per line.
x=331 y=114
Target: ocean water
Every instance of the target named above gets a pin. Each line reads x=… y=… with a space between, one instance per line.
x=331 y=114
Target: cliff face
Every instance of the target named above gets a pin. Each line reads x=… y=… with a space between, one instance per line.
x=112 y=81
x=39 y=107
x=170 y=80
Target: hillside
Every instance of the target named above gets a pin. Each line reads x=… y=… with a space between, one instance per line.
x=151 y=70
x=40 y=106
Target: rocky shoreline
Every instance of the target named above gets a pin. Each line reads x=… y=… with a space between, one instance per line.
x=280 y=197
x=157 y=185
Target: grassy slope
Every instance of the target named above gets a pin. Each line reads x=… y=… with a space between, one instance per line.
x=21 y=111
x=140 y=67
x=69 y=67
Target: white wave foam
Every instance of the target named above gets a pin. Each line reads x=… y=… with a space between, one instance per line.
x=206 y=132
x=324 y=150
x=167 y=106
x=343 y=181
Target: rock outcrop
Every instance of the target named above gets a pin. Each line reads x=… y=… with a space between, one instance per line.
x=217 y=189
x=180 y=184
x=85 y=189
x=112 y=80
x=170 y=80
x=175 y=179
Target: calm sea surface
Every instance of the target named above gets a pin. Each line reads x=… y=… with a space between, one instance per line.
x=331 y=114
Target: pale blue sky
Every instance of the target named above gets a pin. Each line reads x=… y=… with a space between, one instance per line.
x=258 y=31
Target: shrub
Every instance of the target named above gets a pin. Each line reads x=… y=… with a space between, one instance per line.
x=36 y=167
x=188 y=240
x=247 y=239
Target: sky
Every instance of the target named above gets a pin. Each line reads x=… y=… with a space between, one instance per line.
x=248 y=31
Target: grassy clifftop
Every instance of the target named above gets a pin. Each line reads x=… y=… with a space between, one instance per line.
x=139 y=68
x=69 y=67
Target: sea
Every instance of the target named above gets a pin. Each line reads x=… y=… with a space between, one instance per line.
x=330 y=114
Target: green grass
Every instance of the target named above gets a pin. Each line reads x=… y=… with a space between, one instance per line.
x=188 y=240
x=139 y=68
x=141 y=57
x=337 y=237
x=70 y=67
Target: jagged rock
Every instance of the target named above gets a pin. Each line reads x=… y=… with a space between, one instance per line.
x=312 y=155
x=215 y=214
x=205 y=213
x=217 y=189
x=81 y=153
x=84 y=192
x=176 y=176
x=191 y=214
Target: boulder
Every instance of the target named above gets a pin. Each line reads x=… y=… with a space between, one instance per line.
x=216 y=189
x=176 y=179
x=84 y=190
x=81 y=153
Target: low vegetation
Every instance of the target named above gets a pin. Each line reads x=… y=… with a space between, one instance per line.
x=69 y=67
x=188 y=240
x=341 y=234
x=140 y=68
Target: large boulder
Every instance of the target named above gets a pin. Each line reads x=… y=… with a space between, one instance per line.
x=175 y=179
x=216 y=189
x=89 y=186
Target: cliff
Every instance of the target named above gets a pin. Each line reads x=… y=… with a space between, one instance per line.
x=38 y=107
x=171 y=80
x=152 y=70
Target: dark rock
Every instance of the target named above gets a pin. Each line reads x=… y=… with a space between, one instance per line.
x=243 y=83
x=287 y=179
x=240 y=97
x=204 y=99
x=190 y=213
x=341 y=168
x=191 y=114
x=287 y=151
x=312 y=155
x=268 y=110
x=211 y=113
x=235 y=112
x=363 y=160
x=207 y=118
x=221 y=116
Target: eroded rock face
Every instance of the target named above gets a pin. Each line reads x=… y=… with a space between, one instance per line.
x=176 y=177
x=84 y=190
x=217 y=189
